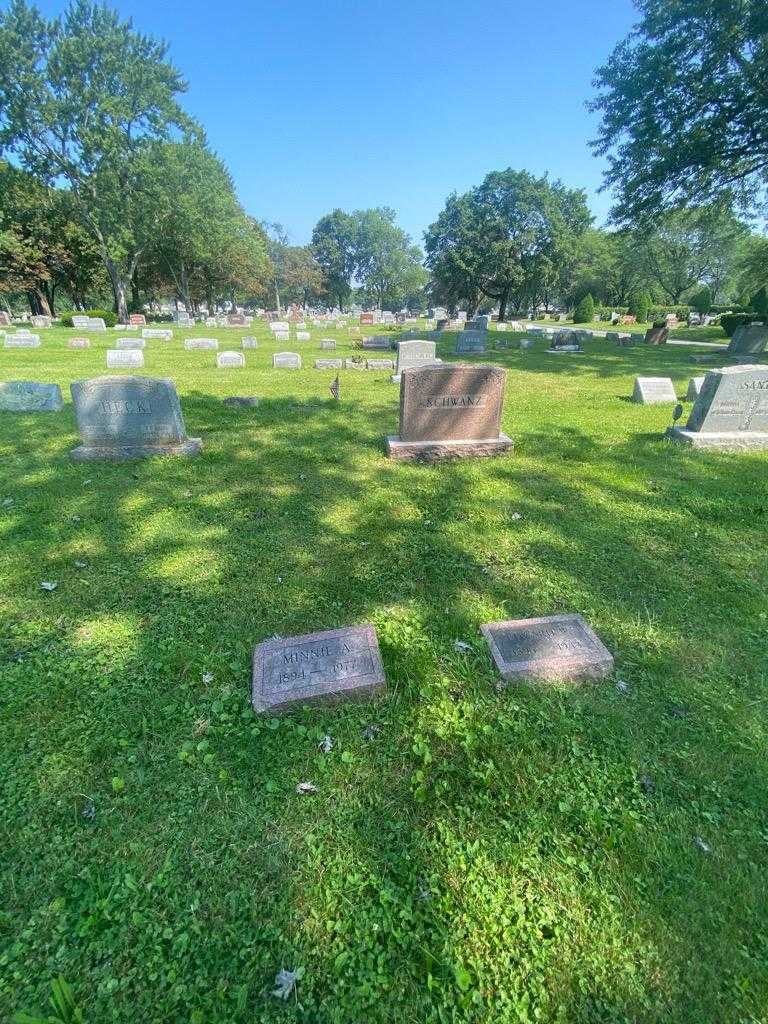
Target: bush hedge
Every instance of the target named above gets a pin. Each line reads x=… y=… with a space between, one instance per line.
x=585 y=311
x=730 y=321
x=109 y=318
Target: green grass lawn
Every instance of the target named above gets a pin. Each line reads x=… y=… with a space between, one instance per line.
x=473 y=852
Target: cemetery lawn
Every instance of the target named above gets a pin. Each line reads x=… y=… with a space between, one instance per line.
x=473 y=852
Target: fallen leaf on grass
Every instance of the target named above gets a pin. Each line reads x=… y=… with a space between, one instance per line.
x=702 y=844
x=461 y=646
x=622 y=687
x=47 y=585
x=304 y=788
x=208 y=678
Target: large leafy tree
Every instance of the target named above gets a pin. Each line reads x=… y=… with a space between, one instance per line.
x=508 y=239
x=684 y=106
x=388 y=266
x=333 y=244
x=86 y=100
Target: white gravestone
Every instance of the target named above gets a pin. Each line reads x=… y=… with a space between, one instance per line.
x=20 y=340
x=120 y=359
x=157 y=332
x=206 y=343
x=130 y=343
x=654 y=390
x=230 y=360
x=286 y=361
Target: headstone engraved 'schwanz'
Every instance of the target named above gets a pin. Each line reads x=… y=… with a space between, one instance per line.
x=556 y=647
x=450 y=410
x=317 y=668
x=129 y=418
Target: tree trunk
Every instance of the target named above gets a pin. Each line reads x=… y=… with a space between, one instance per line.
x=38 y=303
x=119 y=289
x=503 y=305
x=135 y=295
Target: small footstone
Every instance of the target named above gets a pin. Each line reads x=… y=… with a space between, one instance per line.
x=317 y=668
x=29 y=396
x=242 y=401
x=556 y=647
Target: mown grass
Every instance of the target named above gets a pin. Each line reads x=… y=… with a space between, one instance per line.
x=474 y=852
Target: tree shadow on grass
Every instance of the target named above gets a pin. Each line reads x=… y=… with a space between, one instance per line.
x=510 y=862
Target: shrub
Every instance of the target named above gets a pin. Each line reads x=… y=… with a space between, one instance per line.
x=759 y=302
x=660 y=312
x=730 y=321
x=702 y=301
x=109 y=318
x=639 y=307
x=585 y=311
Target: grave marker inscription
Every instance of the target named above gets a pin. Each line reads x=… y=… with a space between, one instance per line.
x=555 y=647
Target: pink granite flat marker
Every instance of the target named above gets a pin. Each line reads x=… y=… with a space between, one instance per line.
x=556 y=647
x=317 y=668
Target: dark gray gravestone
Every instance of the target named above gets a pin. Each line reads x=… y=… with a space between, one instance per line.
x=468 y=342
x=555 y=647
x=378 y=341
x=317 y=668
x=749 y=340
x=654 y=390
x=29 y=396
x=129 y=418
x=731 y=411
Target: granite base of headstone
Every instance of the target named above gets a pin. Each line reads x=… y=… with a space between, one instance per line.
x=450 y=411
x=29 y=396
x=121 y=418
x=317 y=668
x=730 y=413
x=552 y=648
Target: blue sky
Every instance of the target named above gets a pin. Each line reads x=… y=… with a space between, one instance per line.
x=333 y=103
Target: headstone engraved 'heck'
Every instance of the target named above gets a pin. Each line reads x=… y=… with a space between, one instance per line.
x=731 y=411
x=450 y=411
x=317 y=668
x=129 y=418
x=554 y=647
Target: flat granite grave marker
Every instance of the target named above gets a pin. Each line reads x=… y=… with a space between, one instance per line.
x=328 y=364
x=129 y=418
x=78 y=343
x=286 y=361
x=205 y=343
x=29 y=396
x=317 y=668
x=303 y=335
x=748 y=340
x=450 y=411
x=654 y=390
x=381 y=342
x=130 y=343
x=120 y=359
x=230 y=360
x=731 y=412
x=694 y=389
x=555 y=647
x=354 y=364
x=157 y=332
x=280 y=326
x=22 y=340
x=379 y=364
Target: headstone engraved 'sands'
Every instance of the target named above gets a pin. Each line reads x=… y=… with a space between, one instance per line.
x=29 y=396
x=694 y=389
x=129 y=418
x=556 y=647
x=654 y=390
x=749 y=340
x=731 y=411
x=22 y=340
x=317 y=668
x=286 y=361
x=249 y=343
x=120 y=359
x=130 y=343
x=230 y=360
x=450 y=411
x=205 y=343
x=328 y=364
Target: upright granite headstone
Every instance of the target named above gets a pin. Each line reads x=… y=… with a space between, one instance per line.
x=468 y=342
x=157 y=332
x=654 y=390
x=450 y=411
x=29 y=396
x=327 y=344
x=282 y=336
x=137 y=320
x=40 y=322
x=81 y=323
x=303 y=335
x=656 y=335
x=381 y=342
x=280 y=326
x=119 y=359
x=731 y=411
x=286 y=361
x=230 y=360
x=414 y=353
x=5 y=320
x=249 y=343
x=129 y=418
x=317 y=668
x=749 y=340
x=556 y=647
x=130 y=343
x=96 y=323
